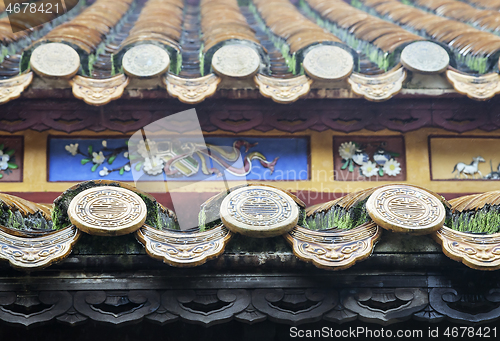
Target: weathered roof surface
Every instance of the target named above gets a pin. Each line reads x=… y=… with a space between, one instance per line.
x=298 y=48
x=251 y=279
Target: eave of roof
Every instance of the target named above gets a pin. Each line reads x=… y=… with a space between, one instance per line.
x=263 y=26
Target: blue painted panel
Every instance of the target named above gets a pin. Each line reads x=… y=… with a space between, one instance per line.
x=292 y=162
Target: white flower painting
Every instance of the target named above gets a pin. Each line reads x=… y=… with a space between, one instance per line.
x=372 y=159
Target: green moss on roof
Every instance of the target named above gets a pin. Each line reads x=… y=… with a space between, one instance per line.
x=338 y=217
x=484 y=220
x=157 y=216
x=15 y=220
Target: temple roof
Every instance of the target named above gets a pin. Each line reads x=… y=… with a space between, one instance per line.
x=280 y=49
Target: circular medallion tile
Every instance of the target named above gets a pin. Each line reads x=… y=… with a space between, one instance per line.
x=259 y=211
x=145 y=60
x=327 y=62
x=404 y=208
x=237 y=61
x=107 y=211
x=55 y=60
x=425 y=57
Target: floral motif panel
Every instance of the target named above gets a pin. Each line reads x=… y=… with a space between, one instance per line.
x=11 y=158
x=251 y=158
x=377 y=158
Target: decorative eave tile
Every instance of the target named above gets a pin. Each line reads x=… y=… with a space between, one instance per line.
x=283 y=90
x=13 y=87
x=184 y=249
x=191 y=90
x=476 y=87
x=379 y=87
x=477 y=251
x=334 y=250
x=32 y=253
x=99 y=91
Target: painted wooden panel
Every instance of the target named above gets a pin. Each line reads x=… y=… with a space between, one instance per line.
x=362 y=158
x=251 y=158
x=11 y=158
x=464 y=158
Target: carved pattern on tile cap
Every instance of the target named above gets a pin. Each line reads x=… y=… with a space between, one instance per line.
x=191 y=90
x=55 y=60
x=379 y=87
x=477 y=251
x=425 y=57
x=13 y=87
x=99 y=91
x=326 y=62
x=146 y=60
x=184 y=249
x=259 y=211
x=283 y=90
x=31 y=253
x=334 y=250
x=107 y=211
x=476 y=87
x=403 y=208
x=237 y=61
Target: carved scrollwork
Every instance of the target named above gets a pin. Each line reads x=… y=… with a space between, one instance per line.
x=294 y=306
x=29 y=308
x=184 y=249
x=283 y=90
x=191 y=90
x=476 y=87
x=477 y=251
x=250 y=315
x=429 y=314
x=13 y=87
x=466 y=306
x=384 y=306
x=99 y=91
x=30 y=253
x=379 y=87
x=206 y=307
x=116 y=307
x=334 y=250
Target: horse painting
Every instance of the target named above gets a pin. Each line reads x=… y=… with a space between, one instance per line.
x=465 y=169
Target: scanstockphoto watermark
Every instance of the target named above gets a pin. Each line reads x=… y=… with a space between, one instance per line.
x=357 y=333
x=431 y=332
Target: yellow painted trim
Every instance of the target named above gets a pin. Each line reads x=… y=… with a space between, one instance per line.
x=321 y=158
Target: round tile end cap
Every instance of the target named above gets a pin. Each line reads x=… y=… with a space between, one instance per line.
x=328 y=63
x=236 y=61
x=259 y=211
x=55 y=60
x=425 y=57
x=107 y=211
x=403 y=208
x=145 y=61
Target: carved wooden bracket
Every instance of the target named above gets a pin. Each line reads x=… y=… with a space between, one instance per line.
x=13 y=87
x=183 y=249
x=476 y=87
x=283 y=90
x=191 y=90
x=477 y=251
x=99 y=91
x=379 y=87
x=334 y=250
x=31 y=253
